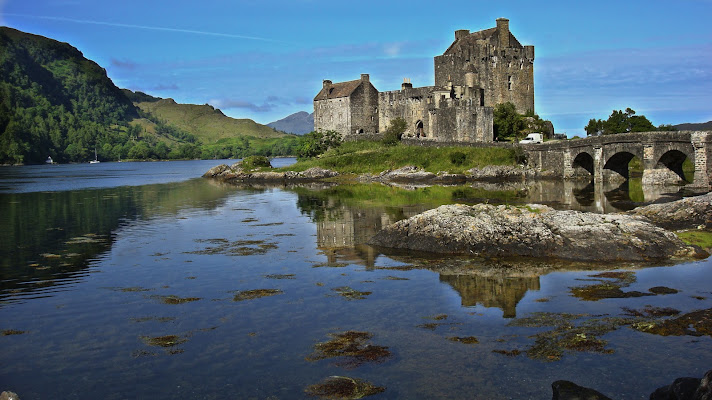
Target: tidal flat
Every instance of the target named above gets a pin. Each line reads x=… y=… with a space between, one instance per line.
x=170 y=290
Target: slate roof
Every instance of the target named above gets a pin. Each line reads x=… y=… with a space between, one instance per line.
x=339 y=89
x=486 y=34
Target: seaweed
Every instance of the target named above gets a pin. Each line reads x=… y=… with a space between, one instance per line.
x=171 y=299
x=351 y=346
x=395 y=278
x=255 y=294
x=464 y=339
x=343 y=387
x=650 y=311
x=508 y=353
x=350 y=294
x=662 y=290
x=695 y=323
x=164 y=341
x=608 y=289
x=236 y=248
x=8 y=332
x=569 y=334
x=280 y=276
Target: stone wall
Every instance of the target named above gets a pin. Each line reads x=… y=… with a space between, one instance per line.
x=333 y=115
x=364 y=108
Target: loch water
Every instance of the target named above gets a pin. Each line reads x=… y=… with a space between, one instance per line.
x=145 y=281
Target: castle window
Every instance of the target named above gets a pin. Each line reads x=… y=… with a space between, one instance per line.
x=509 y=82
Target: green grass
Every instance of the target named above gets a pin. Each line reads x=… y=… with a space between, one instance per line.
x=699 y=238
x=364 y=157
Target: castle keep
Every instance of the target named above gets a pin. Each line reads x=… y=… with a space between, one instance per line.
x=478 y=71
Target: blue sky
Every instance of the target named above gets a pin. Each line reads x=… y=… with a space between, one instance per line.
x=264 y=59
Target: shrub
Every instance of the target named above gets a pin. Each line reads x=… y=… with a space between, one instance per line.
x=458 y=157
x=254 y=162
x=518 y=154
x=394 y=132
x=316 y=143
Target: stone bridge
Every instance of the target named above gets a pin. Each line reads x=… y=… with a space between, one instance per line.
x=606 y=158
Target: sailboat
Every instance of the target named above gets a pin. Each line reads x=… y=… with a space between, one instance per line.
x=95 y=160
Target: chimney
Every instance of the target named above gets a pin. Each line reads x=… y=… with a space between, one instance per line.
x=461 y=33
x=364 y=77
x=406 y=84
x=326 y=83
x=503 y=32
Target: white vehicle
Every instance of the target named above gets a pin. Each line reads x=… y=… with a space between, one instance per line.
x=532 y=138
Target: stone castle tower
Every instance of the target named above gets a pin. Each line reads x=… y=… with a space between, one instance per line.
x=490 y=64
x=478 y=71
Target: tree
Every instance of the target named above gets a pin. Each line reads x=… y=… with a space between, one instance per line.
x=619 y=122
x=394 y=132
x=316 y=143
x=507 y=122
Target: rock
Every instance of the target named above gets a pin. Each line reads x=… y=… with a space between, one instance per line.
x=688 y=213
x=215 y=171
x=317 y=173
x=502 y=173
x=408 y=173
x=237 y=174
x=565 y=390
x=686 y=389
x=9 y=396
x=704 y=391
x=533 y=231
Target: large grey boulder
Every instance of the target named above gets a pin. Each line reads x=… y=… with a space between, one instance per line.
x=688 y=213
x=533 y=231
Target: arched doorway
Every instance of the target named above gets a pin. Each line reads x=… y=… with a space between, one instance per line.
x=419 y=132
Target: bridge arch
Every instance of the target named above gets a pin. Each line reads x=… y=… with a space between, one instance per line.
x=583 y=161
x=619 y=163
x=667 y=168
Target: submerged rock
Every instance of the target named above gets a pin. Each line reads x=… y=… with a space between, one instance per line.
x=566 y=390
x=690 y=212
x=533 y=231
x=686 y=389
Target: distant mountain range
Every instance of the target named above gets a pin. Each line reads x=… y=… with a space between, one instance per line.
x=297 y=123
x=703 y=126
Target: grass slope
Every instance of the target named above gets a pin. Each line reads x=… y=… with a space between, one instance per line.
x=365 y=157
x=205 y=122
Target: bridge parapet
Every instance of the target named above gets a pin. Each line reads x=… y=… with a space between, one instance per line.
x=607 y=157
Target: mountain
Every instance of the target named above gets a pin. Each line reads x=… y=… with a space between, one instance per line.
x=53 y=101
x=703 y=126
x=204 y=121
x=297 y=123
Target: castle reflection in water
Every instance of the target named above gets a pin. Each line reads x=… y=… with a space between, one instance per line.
x=344 y=229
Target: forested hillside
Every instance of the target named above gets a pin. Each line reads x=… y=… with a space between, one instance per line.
x=56 y=103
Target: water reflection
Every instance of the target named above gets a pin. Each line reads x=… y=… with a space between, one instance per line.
x=347 y=216
x=51 y=238
x=502 y=292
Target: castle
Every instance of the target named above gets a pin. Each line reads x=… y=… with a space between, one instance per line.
x=478 y=71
